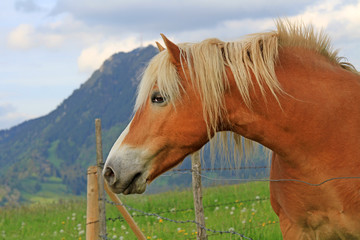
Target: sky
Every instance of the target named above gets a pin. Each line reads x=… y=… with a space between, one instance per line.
x=48 y=48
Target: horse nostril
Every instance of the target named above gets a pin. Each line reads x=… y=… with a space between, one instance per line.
x=109 y=175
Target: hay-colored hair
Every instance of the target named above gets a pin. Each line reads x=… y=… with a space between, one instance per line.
x=207 y=60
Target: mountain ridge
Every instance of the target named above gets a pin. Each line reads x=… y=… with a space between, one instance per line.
x=56 y=148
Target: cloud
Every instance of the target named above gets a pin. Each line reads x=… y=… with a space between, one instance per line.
x=336 y=16
x=341 y=21
x=25 y=36
x=9 y=116
x=171 y=16
x=93 y=56
x=53 y=34
x=27 y=6
x=5 y=109
x=21 y=37
x=88 y=22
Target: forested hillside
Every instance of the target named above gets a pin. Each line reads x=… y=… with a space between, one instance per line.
x=50 y=155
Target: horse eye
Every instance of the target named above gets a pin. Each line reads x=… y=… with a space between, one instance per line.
x=156 y=97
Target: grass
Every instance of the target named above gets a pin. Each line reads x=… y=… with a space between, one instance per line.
x=237 y=208
x=49 y=191
x=53 y=156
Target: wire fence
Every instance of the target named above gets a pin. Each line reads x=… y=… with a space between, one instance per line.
x=158 y=216
x=220 y=169
x=174 y=210
x=213 y=232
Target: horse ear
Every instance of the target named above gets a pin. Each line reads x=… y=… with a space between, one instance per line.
x=161 y=48
x=173 y=49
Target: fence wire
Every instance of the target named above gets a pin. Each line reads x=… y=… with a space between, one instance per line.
x=177 y=221
x=277 y=180
x=216 y=232
x=220 y=169
x=121 y=219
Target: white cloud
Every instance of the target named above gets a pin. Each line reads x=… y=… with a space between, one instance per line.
x=25 y=36
x=92 y=57
x=341 y=21
x=338 y=18
x=21 y=37
x=61 y=31
x=9 y=116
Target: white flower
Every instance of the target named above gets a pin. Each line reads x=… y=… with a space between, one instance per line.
x=257 y=197
x=243 y=210
x=231 y=213
x=215 y=200
x=114 y=236
x=123 y=227
x=253 y=210
x=81 y=232
x=231 y=229
x=226 y=207
x=243 y=221
x=233 y=208
x=217 y=208
x=61 y=231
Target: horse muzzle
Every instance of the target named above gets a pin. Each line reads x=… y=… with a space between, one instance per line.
x=125 y=173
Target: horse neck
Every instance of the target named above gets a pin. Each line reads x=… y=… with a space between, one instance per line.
x=317 y=118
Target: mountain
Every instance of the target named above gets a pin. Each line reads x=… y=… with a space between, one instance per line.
x=49 y=155
x=46 y=158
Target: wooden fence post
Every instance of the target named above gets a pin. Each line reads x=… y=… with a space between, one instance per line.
x=125 y=214
x=197 y=191
x=100 y=179
x=92 y=213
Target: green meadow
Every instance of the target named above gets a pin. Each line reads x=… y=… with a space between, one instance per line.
x=241 y=208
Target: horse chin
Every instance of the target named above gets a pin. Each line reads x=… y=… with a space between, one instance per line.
x=135 y=189
x=136 y=185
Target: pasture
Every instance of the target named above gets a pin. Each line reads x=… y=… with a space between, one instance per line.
x=243 y=208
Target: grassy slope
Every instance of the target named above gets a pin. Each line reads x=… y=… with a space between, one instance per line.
x=225 y=208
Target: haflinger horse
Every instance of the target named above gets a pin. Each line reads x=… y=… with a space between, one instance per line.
x=287 y=90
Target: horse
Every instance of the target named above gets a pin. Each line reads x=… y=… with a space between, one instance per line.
x=285 y=89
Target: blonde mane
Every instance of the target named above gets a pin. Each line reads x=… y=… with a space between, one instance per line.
x=256 y=54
